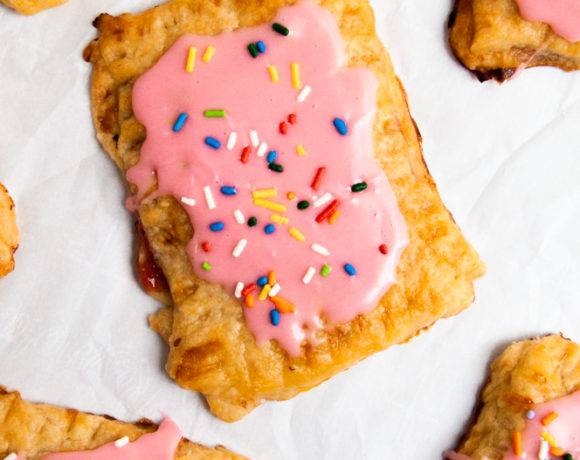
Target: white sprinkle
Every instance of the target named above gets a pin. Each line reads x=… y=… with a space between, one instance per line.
x=239 y=247
x=239 y=215
x=188 y=201
x=323 y=200
x=239 y=289
x=122 y=442
x=263 y=149
x=320 y=250
x=254 y=138
x=209 y=197
x=12 y=456
x=309 y=275
x=232 y=140
x=275 y=290
x=304 y=93
x=544 y=449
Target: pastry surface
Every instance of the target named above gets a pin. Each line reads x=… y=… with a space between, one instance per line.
x=29 y=7
x=36 y=430
x=526 y=374
x=492 y=40
x=8 y=232
x=211 y=350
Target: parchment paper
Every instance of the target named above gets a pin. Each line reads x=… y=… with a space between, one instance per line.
x=73 y=318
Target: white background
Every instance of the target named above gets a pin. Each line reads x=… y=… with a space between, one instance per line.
x=73 y=318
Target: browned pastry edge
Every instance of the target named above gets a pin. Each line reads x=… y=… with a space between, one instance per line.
x=527 y=373
x=211 y=350
x=8 y=232
x=29 y=7
x=36 y=430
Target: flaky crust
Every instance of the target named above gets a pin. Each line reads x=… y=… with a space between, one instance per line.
x=36 y=430
x=8 y=232
x=211 y=350
x=491 y=39
x=525 y=374
x=29 y=7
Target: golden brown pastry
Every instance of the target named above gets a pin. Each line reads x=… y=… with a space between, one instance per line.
x=493 y=40
x=29 y=7
x=8 y=232
x=211 y=349
x=35 y=430
x=525 y=375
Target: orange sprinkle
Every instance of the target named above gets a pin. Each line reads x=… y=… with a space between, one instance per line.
x=250 y=303
x=333 y=217
x=518 y=450
x=318 y=178
x=272 y=277
x=557 y=451
x=290 y=195
x=549 y=418
x=282 y=305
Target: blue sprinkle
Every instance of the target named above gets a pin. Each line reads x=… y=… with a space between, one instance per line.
x=275 y=317
x=179 y=122
x=213 y=143
x=262 y=281
x=229 y=190
x=216 y=226
x=350 y=269
x=269 y=229
x=530 y=415
x=272 y=156
x=340 y=126
x=261 y=46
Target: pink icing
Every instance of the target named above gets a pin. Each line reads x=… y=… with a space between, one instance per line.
x=562 y=15
x=242 y=85
x=160 y=445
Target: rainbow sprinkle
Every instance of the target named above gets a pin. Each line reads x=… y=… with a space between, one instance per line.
x=254 y=139
x=209 y=52
x=280 y=29
x=297 y=234
x=274 y=74
x=269 y=229
x=340 y=126
x=262 y=281
x=296 y=82
x=209 y=197
x=215 y=113
x=264 y=193
x=359 y=187
x=276 y=167
x=320 y=250
x=239 y=216
x=275 y=290
x=253 y=49
x=213 y=142
x=238 y=290
x=191 y=59
x=188 y=201
x=275 y=317
x=179 y=122
x=262 y=149
x=232 y=141
x=279 y=219
x=304 y=94
x=239 y=248
x=325 y=270
x=227 y=190
x=264 y=292
x=261 y=47
x=270 y=205
x=206 y=266
x=271 y=156
x=216 y=226
x=309 y=275
x=349 y=269
x=300 y=150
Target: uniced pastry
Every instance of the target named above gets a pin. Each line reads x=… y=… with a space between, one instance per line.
x=39 y=431
x=529 y=406
x=279 y=181
x=8 y=232
x=496 y=38
x=29 y=7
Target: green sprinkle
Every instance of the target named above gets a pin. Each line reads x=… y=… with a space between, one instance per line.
x=567 y=457
x=206 y=266
x=303 y=204
x=276 y=167
x=253 y=49
x=325 y=270
x=280 y=29
x=214 y=113
x=252 y=221
x=359 y=187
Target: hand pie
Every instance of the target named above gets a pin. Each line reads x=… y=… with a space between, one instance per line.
x=257 y=140
x=29 y=7
x=8 y=232
x=492 y=39
x=35 y=431
x=529 y=406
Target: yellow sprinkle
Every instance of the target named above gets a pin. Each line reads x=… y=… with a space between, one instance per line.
x=297 y=234
x=265 y=290
x=333 y=217
x=548 y=437
x=191 y=59
x=274 y=73
x=300 y=150
x=290 y=195
x=272 y=277
x=270 y=205
x=296 y=75
x=279 y=219
x=264 y=193
x=209 y=52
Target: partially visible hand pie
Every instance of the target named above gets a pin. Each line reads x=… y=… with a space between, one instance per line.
x=39 y=431
x=29 y=7
x=530 y=407
x=8 y=232
x=496 y=38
